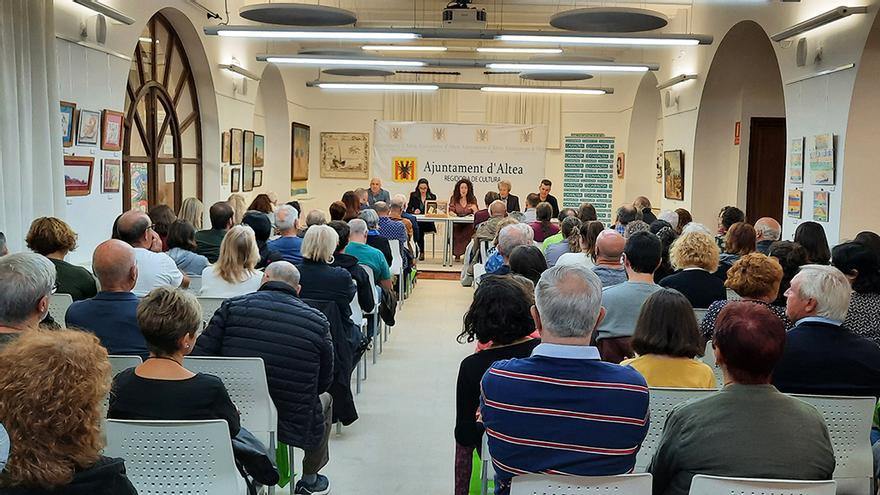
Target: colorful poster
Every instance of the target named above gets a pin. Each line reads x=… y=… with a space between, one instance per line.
x=796 y=162
x=139 y=184
x=822 y=160
x=821 y=205
x=795 y=203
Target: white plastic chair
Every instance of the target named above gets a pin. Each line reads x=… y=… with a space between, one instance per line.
x=397 y=269
x=195 y=284
x=849 y=424
x=543 y=484
x=122 y=363
x=175 y=457
x=732 y=295
x=716 y=485
x=662 y=401
x=210 y=305
x=487 y=469
x=709 y=359
x=484 y=251
x=357 y=316
x=58 y=304
x=479 y=271
x=377 y=322
x=700 y=314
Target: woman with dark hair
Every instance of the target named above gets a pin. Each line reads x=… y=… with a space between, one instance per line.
x=352 y=205
x=262 y=231
x=542 y=226
x=462 y=203
x=570 y=243
x=182 y=246
x=500 y=315
x=529 y=262
x=667 y=235
x=792 y=256
x=862 y=268
x=587 y=213
x=587 y=235
x=739 y=241
x=869 y=239
x=666 y=339
x=263 y=204
x=162 y=217
x=811 y=236
x=337 y=211
x=684 y=218
x=416 y=206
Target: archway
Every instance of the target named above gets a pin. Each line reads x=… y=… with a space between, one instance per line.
x=645 y=128
x=743 y=85
x=271 y=119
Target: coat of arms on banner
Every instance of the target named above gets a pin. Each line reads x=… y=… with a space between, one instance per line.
x=404 y=169
x=439 y=134
x=482 y=135
x=526 y=136
x=396 y=133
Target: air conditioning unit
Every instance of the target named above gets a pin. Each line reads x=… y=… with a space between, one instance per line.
x=458 y=14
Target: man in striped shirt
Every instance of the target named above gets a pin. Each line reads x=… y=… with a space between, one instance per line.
x=563 y=410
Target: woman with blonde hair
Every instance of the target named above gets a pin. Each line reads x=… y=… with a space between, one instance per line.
x=239 y=206
x=193 y=211
x=53 y=384
x=696 y=256
x=317 y=278
x=53 y=238
x=233 y=274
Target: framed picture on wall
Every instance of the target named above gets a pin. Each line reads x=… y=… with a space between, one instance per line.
x=88 y=127
x=225 y=152
x=111 y=175
x=621 y=165
x=247 y=162
x=821 y=206
x=235 y=146
x=795 y=203
x=224 y=175
x=78 y=175
x=111 y=130
x=259 y=150
x=258 y=178
x=236 y=180
x=299 y=151
x=345 y=155
x=673 y=175
x=68 y=119
x=796 y=162
x=822 y=160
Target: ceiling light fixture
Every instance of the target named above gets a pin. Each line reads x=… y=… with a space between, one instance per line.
x=675 y=80
x=307 y=34
x=106 y=10
x=431 y=86
x=486 y=49
x=570 y=67
x=352 y=62
x=378 y=86
x=526 y=89
x=605 y=40
x=819 y=20
x=241 y=71
x=403 y=48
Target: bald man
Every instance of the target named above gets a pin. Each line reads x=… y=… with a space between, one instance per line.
x=154 y=269
x=767 y=231
x=487 y=230
x=375 y=193
x=112 y=314
x=609 y=248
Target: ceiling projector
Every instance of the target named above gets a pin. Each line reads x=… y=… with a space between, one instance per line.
x=458 y=14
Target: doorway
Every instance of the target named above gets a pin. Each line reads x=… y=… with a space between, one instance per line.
x=766 y=176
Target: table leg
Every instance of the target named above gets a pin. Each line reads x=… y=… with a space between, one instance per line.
x=446 y=244
x=450 y=241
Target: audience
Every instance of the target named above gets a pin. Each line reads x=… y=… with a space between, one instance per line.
x=192 y=210
x=352 y=205
x=684 y=218
x=374 y=237
x=289 y=244
x=739 y=241
x=365 y=292
x=498 y=317
x=811 y=236
x=792 y=256
x=643 y=206
x=609 y=248
x=623 y=301
x=376 y=193
x=234 y=273
x=337 y=211
x=112 y=314
x=363 y=198
x=262 y=230
x=482 y=215
x=509 y=238
x=570 y=241
x=26 y=282
x=667 y=341
x=862 y=268
x=728 y=216
x=544 y=196
x=510 y=201
x=625 y=215
x=318 y=278
x=670 y=217
x=667 y=235
x=391 y=229
x=262 y=204
x=496 y=260
x=53 y=239
x=528 y=262
x=767 y=231
x=588 y=233
x=239 y=207
x=821 y=355
x=542 y=226
x=222 y=219
x=368 y=255
x=529 y=214
x=567 y=310
x=869 y=239
x=695 y=254
x=487 y=230
x=275 y=325
x=747 y=429
x=182 y=245
x=587 y=213
x=154 y=269
x=755 y=278
x=53 y=384
x=553 y=239
x=397 y=211
x=636 y=226
x=162 y=217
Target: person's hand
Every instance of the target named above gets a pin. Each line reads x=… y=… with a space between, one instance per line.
x=155 y=242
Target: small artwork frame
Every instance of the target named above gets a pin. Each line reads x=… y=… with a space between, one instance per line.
x=436 y=208
x=112 y=129
x=247 y=162
x=68 y=122
x=258 y=178
x=224 y=175
x=345 y=155
x=78 y=175
x=236 y=136
x=225 y=152
x=796 y=162
x=795 y=203
x=300 y=134
x=88 y=128
x=821 y=206
x=111 y=175
x=259 y=150
x=620 y=166
x=822 y=172
x=235 y=180
x=673 y=175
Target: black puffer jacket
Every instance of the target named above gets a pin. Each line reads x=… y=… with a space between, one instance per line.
x=294 y=341
x=105 y=477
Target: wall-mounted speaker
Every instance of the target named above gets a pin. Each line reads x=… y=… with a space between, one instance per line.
x=802 y=52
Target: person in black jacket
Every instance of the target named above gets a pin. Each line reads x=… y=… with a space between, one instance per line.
x=509 y=200
x=262 y=231
x=696 y=256
x=317 y=279
x=365 y=291
x=294 y=342
x=416 y=206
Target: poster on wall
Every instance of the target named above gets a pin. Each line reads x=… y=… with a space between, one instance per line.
x=247 y=162
x=235 y=146
x=299 y=151
x=78 y=175
x=621 y=164
x=796 y=162
x=588 y=172
x=111 y=130
x=795 y=203
x=68 y=114
x=111 y=175
x=88 y=127
x=259 y=150
x=822 y=160
x=225 y=152
x=658 y=153
x=673 y=173
x=236 y=180
x=139 y=184
x=345 y=155
x=821 y=205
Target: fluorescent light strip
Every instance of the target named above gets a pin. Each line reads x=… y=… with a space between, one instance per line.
x=561 y=91
x=598 y=40
x=570 y=68
x=379 y=86
x=403 y=48
x=107 y=10
x=819 y=20
x=345 y=62
x=518 y=50
x=317 y=35
x=239 y=70
x=676 y=80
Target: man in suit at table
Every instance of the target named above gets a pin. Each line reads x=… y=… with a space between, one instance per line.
x=510 y=200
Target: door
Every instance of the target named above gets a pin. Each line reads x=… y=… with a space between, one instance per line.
x=765 y=195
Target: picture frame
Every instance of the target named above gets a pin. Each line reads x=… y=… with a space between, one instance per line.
x=259 y=150
x=796 y=161
x=821 y=206
x=111 y=175
x=112 y=129
x=224 y=175
x=620 y=165
x=225 y=152
x=795 y=203
x=78 y=175
x=300 y=134
x=247 y=162
x=235 y=146
x=88 y=127
x=436 y=208
x=673 y=175
x=139 y=183
x=822 y=172
x=345 y=155
x=68 y=122
x=258 y=178
x=235 y=178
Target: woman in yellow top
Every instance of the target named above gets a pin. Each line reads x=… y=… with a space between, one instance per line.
x=667 y=340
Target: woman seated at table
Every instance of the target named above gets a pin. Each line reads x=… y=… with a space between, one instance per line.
x=416 y=206
x=462 y=203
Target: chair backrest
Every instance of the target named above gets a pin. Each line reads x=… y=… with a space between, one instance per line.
x=700 y=314
x=175 y=457
x=479 y=271
x=732 y=295
x=396 y=258
x=210 y=305
x=372 y=278
x=122 y=363
x=545 y=484
x=484 y=251
x=709 y=359
x=662 y=401
x=58 y=304
x=195 y=284
x=245 y=380
x=357 y=314
x=715 y=485
x=849 y=424
x=487 y=469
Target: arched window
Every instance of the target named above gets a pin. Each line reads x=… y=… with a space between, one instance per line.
x=162 y=153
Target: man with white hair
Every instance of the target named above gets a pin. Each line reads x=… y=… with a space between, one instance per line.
x=669 y=216
x=767 y=231
x=821 y=356
x=294 y=342
x=510 y=237
x=643 y=205
x=27 y=281
x=594 y=424
x=289 y=245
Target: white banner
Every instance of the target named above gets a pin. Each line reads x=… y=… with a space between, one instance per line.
x=404 y=152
